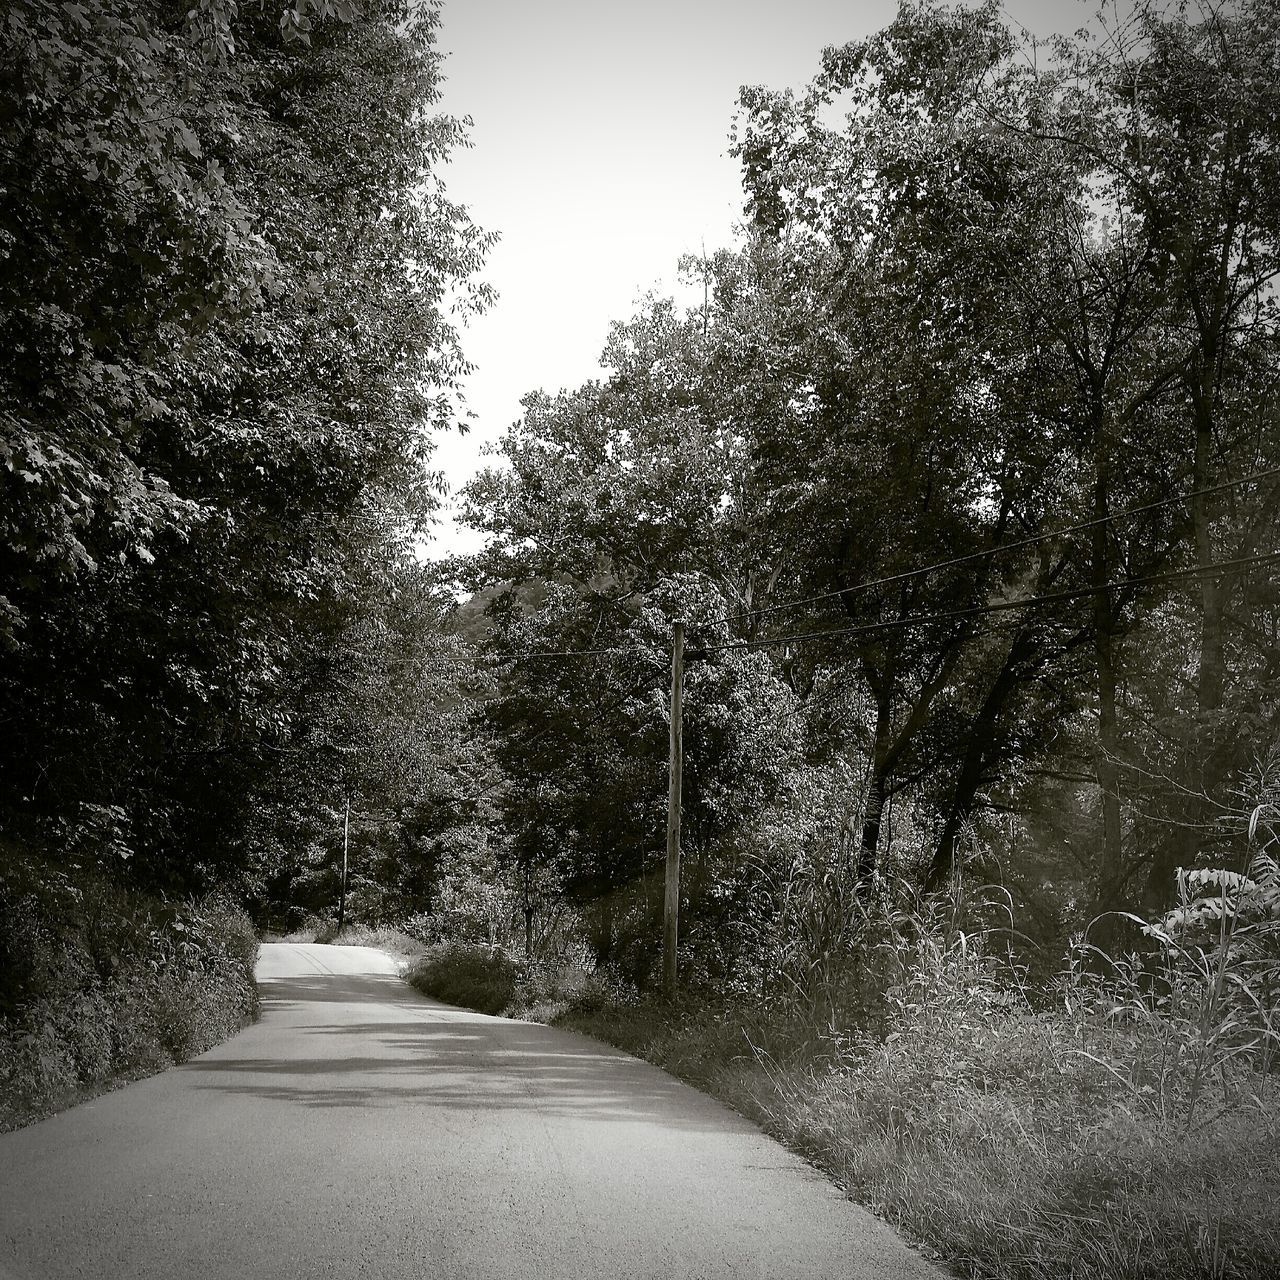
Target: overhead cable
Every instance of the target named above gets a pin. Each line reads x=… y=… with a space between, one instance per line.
x=1026 y=602
x=1004 y=547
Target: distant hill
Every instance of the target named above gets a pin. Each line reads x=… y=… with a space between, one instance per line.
x=470 y=619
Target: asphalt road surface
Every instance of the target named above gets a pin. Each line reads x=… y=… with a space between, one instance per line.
x=361 y=1130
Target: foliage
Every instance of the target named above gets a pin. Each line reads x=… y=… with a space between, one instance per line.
x=611 y=495
x=957 y=363
x=230 y=284
x=226 y=336
x=101 y=986
x=480 y=978
x=389 y=761
x=1014 y=1139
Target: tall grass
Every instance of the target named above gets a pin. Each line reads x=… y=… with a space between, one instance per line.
x=1121 y=1126
x=1118 y=1122
x=495 y=981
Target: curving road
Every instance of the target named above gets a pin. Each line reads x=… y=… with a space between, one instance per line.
x=361 y=1130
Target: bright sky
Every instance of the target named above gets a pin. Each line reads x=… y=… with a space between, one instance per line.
x=600 y=156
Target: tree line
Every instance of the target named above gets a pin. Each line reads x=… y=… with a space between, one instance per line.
x=229 y=303
x=1001 y=328
x=960 y=468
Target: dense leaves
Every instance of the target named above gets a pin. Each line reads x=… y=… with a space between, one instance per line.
x=940 y=468
x=227 y=258
x=1005 y=315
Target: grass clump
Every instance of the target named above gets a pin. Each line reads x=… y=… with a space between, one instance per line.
x=472 y=976
x=101 y=986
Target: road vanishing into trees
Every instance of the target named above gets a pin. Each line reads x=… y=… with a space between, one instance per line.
x=361 y=1130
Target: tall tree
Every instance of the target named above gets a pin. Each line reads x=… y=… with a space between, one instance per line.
x=913 y=233
x=1181 y=123
x=620 y=511
x=226 y=342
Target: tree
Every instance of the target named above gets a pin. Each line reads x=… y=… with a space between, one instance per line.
x=1179 y=116
x=229 y=341
x=620 y=512
x=911 y=235
x=1009 y=284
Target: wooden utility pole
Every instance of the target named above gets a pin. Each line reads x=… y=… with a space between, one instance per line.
x=346 y=839
x=671 y=912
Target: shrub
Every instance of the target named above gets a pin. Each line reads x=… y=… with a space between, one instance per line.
x=325 y=932
x=1127 y=1129
x=490 y=980
x=474 y=977
x=101 y=985
x=309 y=930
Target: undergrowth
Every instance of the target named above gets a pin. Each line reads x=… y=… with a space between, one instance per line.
x=1121 y=1125
x=1118 y=1122
x=493 y=981
x=99 y=986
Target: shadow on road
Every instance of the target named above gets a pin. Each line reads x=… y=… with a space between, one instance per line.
x=398 y=1047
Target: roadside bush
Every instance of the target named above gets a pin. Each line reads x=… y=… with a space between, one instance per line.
x=99 y=986
x=547 y=989
x=474 y=977
x=490 y=980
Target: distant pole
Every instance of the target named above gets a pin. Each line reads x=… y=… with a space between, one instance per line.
x=346 y=837
x=671 y=913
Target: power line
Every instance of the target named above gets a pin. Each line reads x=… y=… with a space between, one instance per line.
x=477 y=656
x=1004 y=547
x=894 y=624
x=955 y=562
x=1027 y=602
x=584 y=653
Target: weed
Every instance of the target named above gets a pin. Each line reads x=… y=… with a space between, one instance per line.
x=1127 y=1132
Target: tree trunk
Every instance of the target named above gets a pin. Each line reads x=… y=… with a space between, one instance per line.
x=977 y=753
x=1210 y=681
x=873 y=814
x=868 y=854
x=1199 y=770
x=1108 y=752
x=601 y=928
x=342 y=889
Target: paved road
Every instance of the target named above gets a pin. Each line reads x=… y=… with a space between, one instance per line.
x=360 y=1130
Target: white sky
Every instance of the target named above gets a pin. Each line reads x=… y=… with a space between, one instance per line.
x=600 y=141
